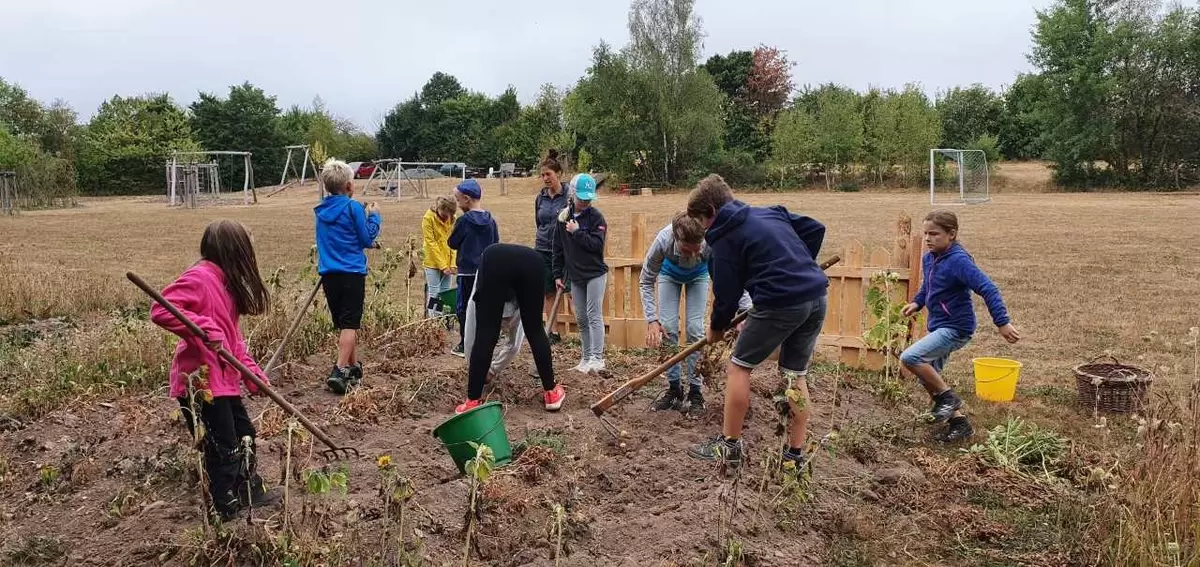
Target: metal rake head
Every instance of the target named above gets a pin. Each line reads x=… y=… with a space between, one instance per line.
x=340 y=454
x=610 y=427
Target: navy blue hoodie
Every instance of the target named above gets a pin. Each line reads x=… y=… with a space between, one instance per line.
x=947 y=281
x=344 y=230
x=768 y=252
x=473 y=231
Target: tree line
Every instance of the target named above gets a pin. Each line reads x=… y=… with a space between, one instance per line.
x=1114 y=100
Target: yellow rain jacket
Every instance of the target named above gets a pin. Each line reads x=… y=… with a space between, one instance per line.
x=434 y=233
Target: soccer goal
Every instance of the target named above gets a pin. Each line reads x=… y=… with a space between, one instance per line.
x=957 y=177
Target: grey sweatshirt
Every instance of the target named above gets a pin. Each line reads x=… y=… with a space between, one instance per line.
x=665 y=249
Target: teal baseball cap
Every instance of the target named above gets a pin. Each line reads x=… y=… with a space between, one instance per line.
x=584 y=187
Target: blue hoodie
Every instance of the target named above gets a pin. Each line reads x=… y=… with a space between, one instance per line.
x=768 y=252
x=947 y=281
x=344 y=230
x=473 y=231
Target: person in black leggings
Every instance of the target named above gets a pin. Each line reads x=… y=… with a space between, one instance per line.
x=507 y=273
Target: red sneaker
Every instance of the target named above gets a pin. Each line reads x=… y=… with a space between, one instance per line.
x=468 y=406
x=554 y=398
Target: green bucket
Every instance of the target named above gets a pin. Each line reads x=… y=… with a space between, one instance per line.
x=449 y=300
x=485 y=425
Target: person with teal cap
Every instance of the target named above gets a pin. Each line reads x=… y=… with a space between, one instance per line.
x=579 y=258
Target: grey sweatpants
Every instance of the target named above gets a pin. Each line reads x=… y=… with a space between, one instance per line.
x=589 y=315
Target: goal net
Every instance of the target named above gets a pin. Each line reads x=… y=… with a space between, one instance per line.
x=957 y=177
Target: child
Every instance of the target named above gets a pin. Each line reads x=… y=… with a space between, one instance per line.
x=473 y=231
x=344 y=229
x=949 y=275
x=439 y=258
x=214 y=293
x=579 y=258
x=507 y=274
x=770 y=253
x=551 y=200
x=678 y=262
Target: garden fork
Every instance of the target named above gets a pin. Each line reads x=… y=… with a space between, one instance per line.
x=334 y=452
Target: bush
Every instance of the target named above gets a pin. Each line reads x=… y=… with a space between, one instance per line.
x=990 y=145
x=738 y=167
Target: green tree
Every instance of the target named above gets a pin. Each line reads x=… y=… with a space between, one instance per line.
x=900 y=129
x=19 y=113
x=1020 y=128
x=247 y=120
x=968 y=114
x=400 y=134
x=609 y=115
x=684 y=102
x=124 y=148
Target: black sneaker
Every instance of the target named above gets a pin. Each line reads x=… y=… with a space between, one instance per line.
x=695 y=402
x=354 y=375
x=718 y=447
x=254 y=493
x=459 y=351
x=227 y=506
x=672 y=399
x=944 y=406
x=336 y=381
x=797 y=458
x=957 y=430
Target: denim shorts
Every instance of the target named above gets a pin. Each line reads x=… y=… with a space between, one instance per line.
x=935 y=348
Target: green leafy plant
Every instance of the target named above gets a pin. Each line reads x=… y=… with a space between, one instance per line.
x=1022 y=447
x=888 y=334
x=479 y=470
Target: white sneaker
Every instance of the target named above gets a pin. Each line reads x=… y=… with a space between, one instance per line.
x=596 y=365
x=584 y=365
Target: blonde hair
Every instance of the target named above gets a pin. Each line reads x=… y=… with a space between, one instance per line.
x=335 y=174
x=444 y=205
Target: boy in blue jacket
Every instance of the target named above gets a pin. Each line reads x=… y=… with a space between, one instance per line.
x=949 y=275
x=344 y=229
x=474 y=231
x=771 y=254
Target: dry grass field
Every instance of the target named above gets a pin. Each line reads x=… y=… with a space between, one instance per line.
x=1083 y=275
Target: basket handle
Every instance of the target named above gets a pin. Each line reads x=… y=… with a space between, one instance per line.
x=1108 y=356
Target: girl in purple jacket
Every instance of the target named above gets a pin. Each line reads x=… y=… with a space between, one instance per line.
x=949 y=275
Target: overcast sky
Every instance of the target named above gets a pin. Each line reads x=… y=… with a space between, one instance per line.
x=364 y=56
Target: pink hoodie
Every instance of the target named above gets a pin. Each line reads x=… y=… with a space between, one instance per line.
x=201 y=295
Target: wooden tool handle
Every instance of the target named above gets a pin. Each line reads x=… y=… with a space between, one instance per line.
x=551 y=320
x=633 y=385
x=232 y=360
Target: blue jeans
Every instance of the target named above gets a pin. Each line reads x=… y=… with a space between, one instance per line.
x=669 y=292
x=435 y=283
x=935 y=348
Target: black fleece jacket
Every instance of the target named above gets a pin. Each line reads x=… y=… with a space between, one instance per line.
x=580 y=255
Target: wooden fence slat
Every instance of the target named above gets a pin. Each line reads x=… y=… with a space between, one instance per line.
x=852 y=304
x=620 y=287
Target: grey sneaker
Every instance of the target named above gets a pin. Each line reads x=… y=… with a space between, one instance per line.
x=944 y=406
x=336 y=382
x=718 y=448
x=695 y=402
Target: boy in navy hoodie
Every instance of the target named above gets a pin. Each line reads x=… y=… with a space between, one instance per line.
x=344 y=229
x=474 y=230
x=771 y=254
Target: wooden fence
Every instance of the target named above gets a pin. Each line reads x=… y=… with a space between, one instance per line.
x=848 y=316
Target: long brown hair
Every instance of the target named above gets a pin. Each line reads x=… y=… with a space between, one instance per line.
x=946 y=220
x=710 y=194
x=226 y=243
x=551 y=162
x=687 y=229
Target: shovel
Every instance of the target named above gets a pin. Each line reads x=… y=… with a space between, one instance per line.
x=635 y=384
x=333 y=453
x=292 y=329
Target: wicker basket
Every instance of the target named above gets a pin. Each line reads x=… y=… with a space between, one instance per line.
x=1112 y=387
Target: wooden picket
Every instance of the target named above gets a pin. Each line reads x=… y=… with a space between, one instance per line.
x=847 y=318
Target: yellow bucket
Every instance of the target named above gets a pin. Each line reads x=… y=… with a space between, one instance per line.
x=996 y=379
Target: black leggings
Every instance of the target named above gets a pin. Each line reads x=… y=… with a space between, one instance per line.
x=508 y=271
x=229 y=468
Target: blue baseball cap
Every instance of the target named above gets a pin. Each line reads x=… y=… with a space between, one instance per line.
x=471 y=188
x=584 y=187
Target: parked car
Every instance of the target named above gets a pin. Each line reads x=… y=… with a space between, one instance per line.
x=363 y=170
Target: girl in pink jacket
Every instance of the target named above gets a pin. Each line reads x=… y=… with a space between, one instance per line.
x=213 y=293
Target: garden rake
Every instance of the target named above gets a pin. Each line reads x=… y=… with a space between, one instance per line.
x=635 y=384
x=334 y=452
